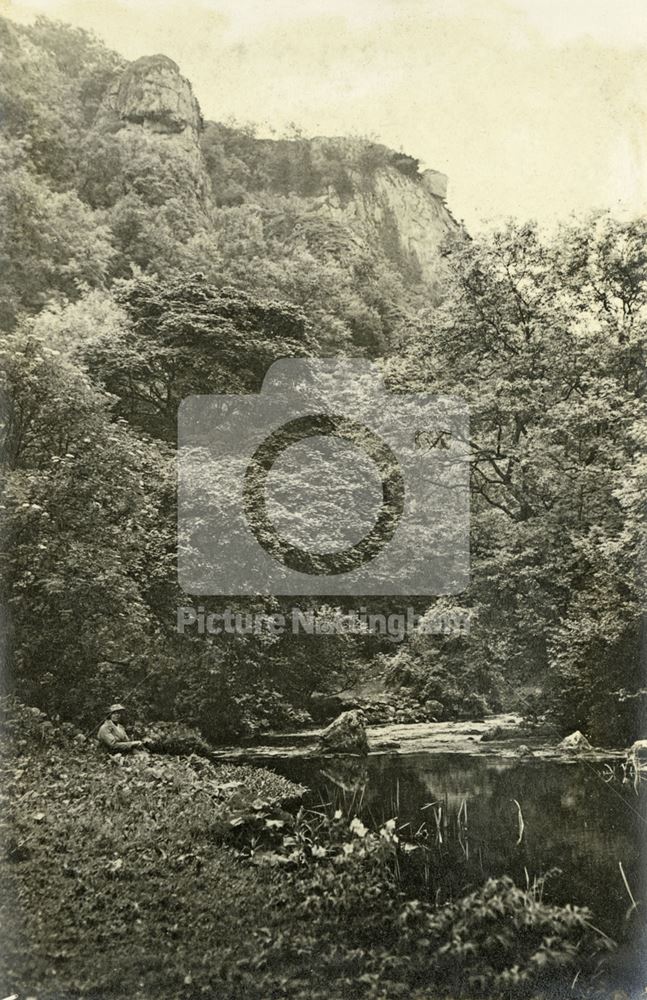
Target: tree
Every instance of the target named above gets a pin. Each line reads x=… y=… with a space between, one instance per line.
x=185 y=337
x=80 y=529
x=545 y=339
x=54 y=77
x=52 y=247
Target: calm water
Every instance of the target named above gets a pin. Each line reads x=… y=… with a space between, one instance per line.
x=573 y=820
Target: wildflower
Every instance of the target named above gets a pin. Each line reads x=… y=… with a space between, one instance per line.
x=388 y=832
x=337 y=814
x=358 y=828
x=318 y=851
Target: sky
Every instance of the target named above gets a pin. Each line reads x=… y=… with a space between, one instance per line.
x=533 y=108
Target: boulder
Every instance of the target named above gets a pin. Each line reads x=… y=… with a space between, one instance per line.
x=638 y=752
x=576 y=741
x=149 y=110
x=347 y=734
x=435 y=183
x=152 y=93
x=498 y=732
x=523 y=751
x=434 y=710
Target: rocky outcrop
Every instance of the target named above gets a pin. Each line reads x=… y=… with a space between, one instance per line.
x=575 y=742
x=354 y=194
x=152 y=94
x=435 y=183
x=384 y=197
x=150 y=108
x=347 y=734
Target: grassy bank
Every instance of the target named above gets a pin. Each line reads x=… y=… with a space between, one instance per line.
x=170 y=877
x=115 y=881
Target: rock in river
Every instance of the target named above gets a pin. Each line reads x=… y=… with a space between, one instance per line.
x=347 y=734
x=638 y=752
x=576 y=741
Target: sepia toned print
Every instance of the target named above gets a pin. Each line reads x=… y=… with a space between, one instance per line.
x=322 y=521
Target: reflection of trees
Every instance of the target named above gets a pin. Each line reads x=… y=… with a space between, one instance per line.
x=573 y=821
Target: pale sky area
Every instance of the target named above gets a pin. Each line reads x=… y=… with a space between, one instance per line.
x=534 y=108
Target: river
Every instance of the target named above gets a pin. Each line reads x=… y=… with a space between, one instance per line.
x=488 y=811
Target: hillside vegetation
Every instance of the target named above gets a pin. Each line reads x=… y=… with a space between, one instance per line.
x=143 y=266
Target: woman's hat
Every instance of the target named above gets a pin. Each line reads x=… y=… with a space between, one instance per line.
x=116 y=708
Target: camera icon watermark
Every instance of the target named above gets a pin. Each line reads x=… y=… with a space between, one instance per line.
x=323 y=483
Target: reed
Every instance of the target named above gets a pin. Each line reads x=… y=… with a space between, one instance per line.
x=520 y=822
x=634 y=903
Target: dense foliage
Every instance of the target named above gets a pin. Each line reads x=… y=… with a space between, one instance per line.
x=135 y=277
x=139 y=271
x=546 y=340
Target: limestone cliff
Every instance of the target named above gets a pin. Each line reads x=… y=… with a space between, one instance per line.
x=152 y=103
x=404 y=209
x=377 y=196
x=151 y=93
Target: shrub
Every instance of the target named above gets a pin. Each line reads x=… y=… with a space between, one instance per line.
x=364 y=939
x=177 y=739
x=500 y=940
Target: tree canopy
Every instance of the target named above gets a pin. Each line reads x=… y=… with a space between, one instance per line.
x=131 y=282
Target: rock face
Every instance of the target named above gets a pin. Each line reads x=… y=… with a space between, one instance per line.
x=152 y=93
x=576 y=741
x=350 y=194
x=347 y=734
x=150 y=106
x=404 y=209
x=435 y=183
x=366 y=194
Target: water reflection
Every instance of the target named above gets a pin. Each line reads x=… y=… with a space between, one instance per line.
x=489 y=816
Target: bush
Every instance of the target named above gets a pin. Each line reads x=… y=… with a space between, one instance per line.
x=177 y=739
x=341 y=883
x=500 y=940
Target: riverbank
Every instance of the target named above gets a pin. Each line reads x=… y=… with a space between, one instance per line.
x=115 y=882
x=161 y=878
